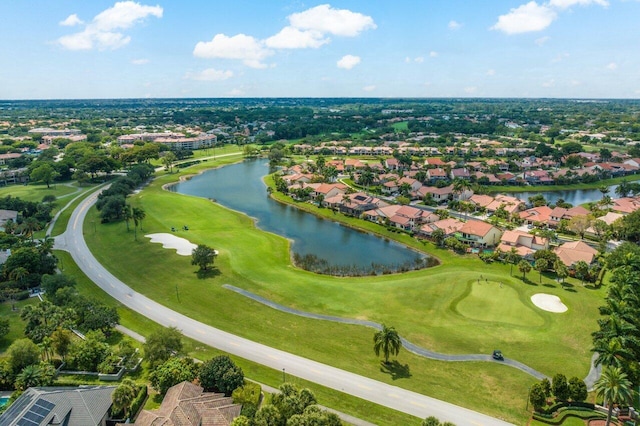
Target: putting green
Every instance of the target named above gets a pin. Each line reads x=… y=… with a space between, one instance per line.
x=488 y=301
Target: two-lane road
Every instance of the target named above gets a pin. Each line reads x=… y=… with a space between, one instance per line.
x=381 y=393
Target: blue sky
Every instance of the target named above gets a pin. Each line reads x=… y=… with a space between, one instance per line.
x=66 y=49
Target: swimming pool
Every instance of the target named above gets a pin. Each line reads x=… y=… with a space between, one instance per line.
x=3 y=400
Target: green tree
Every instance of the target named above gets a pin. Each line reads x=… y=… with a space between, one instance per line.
x=161 y=344
x=42 y=319
x=387 y=341
x=61 y=342
x=577 y=389
x=561 y=269
x=138 y=214
x=268 y=415
x=168 y=159
x=431 y=421
x=21 y=353
x=541 y=266
x=582 y=270
x=291 y=401
x=524 y=267
x=89 y=353
x=560 y=387
x=537 y=397
x=203 y=256
x=220 y=374
x=512 y=257
x=45 y=173
x=42 y=374
x=614 y=387
x=4 y=327
x=173 y=371
x=123 y=396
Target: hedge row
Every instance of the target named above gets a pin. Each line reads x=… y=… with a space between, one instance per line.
x=579 y=412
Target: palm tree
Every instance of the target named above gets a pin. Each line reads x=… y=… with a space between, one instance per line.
x=123 y=396
x=127 y=215
x=512 y=257
x=541 y=265
x=611 y=353
x=561 y=269
x=386 y=341
x=31 y=225
x=524 y=267
x=137 y=215
x=614 y=387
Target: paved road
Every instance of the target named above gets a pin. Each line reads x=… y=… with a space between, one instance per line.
x=381 y=393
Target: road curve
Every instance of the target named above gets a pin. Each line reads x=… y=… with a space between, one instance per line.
x=421 y=406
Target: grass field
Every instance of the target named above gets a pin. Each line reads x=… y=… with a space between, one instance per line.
x=33 y=192
x=435 y=308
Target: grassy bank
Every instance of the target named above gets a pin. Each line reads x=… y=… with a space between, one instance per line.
x=432 y=308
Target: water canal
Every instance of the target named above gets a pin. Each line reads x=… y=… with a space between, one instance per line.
x=574 y=196
x=240 y=187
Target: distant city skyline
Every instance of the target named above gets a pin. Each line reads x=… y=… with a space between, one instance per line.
x=70 y=49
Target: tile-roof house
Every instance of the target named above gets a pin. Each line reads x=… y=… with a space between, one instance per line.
x=450 y=226
x=572 y=252
x=524 y=243
x=68 y=406
x=6 y=215
x=186 y=404
x=560 y=213
x=480 y=234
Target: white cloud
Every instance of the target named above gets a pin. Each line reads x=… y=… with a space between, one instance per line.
x=433 y=54
x=542 y=40
x=293 y=38
x=141 y=61
x=407 y=60
x=241 y=46
x=453 y=25
x=470 y=90
x=526 y=18
x=102 y=32
x=612 y=66
x=564 y=4
x=549 y=83
x=369 y=88
x=325 y=19
x=348 y=61
x=71 y=21
x=235 y=92
x=209 y=74
x=491 y=72
x=419 y=59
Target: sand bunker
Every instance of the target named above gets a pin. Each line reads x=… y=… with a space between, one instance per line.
x=170 y=241
x=549 y=302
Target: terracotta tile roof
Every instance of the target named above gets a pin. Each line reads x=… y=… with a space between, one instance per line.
x=575 y=251
x=476 y=227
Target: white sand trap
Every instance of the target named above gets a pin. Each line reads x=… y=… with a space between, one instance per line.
x=549 y=302
x=170 y=241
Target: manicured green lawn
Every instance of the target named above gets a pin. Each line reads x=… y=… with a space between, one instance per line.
x=16 y=325
x=424 y=306
x=33 y=192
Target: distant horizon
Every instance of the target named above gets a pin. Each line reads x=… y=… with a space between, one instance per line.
x=407 y=98
x=169 y=49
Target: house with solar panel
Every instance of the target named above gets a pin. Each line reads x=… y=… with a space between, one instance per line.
x=64 y=406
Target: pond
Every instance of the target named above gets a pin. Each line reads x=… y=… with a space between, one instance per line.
x=240 y=187
x=574 y=196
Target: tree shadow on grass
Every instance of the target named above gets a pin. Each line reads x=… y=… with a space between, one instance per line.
x=395 y=370
x=549 y=285
x=572 y=290
x=527 y=281
x=204 y=274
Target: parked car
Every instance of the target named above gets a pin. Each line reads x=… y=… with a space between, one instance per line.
x=497 y=355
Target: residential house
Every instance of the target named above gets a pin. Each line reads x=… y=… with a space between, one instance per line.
x=449 y=226
x=509 y=204
x=439 y=195
x=5 y=158
x=536 y=215
x=460 y=173
x=560 y=213
x=357 y=203
x=608 y=218
x=479 y=234
x=524 y=243
x=626 y=205
x=392 y=164
x=575 y=251
x=186 y=404
x=435 y=175
x=68 y=406
x=6 y=215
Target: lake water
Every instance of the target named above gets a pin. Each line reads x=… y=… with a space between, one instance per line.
x=240 y=187
x=574 y=196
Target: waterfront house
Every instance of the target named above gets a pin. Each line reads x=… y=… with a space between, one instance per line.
x=479 y=234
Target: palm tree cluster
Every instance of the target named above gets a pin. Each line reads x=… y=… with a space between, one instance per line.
x=617 y=342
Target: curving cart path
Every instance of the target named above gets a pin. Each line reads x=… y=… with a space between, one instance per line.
x=405 y=343
x=413 y=403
